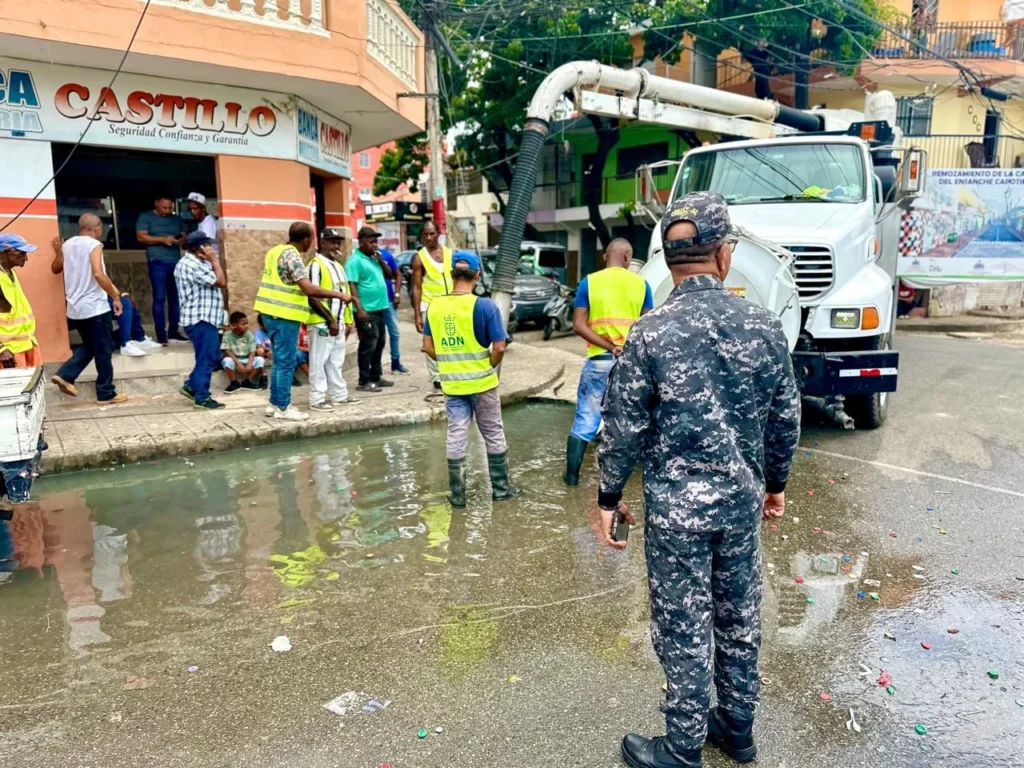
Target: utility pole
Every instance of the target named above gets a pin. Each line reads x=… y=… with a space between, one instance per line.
x=438 y=190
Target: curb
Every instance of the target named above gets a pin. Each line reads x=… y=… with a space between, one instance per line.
x=258 y=432
x=939 y=326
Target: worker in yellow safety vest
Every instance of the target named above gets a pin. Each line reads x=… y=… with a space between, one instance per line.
x=466 y=337
x=18 y=345
x=431 y=278
x=283 y=301
x=608 y=302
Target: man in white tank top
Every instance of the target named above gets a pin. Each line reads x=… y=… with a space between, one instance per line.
x=87 y=288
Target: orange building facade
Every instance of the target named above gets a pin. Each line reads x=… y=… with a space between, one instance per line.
x=259 y=106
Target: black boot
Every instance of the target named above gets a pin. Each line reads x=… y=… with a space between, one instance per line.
x=501 y=488
x=574 y=450
x=641 y=752
x=457 y=482
x=734 y=737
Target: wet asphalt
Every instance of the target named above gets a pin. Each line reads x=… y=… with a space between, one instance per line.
x=503 y=625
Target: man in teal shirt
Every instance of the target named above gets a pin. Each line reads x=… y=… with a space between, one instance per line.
x=368 y=275
x=162 y=234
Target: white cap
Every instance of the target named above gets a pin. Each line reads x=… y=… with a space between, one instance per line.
x=195 y=197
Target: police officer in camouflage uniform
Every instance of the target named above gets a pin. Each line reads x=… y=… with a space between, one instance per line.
x=705 y=396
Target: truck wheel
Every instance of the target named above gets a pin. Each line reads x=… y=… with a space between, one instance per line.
x=549 y=328
x=869 y=411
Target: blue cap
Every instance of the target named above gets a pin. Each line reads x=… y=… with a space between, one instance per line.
x=12 y=242
x=471 y=259
x=197 y=239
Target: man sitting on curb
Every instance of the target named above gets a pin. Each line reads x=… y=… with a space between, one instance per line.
x=467 y=338
x=199 y=279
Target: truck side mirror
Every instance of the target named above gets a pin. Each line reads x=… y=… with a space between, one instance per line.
x=912 y=172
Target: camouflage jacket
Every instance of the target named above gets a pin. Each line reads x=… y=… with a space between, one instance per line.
x=705 y=396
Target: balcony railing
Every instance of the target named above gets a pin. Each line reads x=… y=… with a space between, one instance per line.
x=391 y=41
x=615 y=190
x=294 y=15
x=971 y=151
x=955 y=40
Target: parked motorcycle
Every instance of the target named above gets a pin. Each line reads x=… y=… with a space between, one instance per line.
x=559 y=311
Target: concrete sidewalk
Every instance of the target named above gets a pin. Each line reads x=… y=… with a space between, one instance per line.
x=86 y=435
x=973 y=322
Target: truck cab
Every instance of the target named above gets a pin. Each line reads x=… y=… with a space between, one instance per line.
x=826 y=200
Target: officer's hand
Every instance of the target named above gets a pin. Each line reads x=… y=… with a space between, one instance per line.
x=774 y=506
x=617 y=351
x=607 y=518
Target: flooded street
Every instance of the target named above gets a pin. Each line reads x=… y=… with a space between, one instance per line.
x=138 y=606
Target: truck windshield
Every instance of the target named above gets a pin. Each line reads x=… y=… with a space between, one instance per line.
x=777 y=173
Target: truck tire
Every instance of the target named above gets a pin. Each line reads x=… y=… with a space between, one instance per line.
x=870 y=411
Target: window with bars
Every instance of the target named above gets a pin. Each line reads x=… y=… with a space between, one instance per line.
x=914 y=115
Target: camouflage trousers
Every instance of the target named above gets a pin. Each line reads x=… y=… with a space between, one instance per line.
x=705 y=584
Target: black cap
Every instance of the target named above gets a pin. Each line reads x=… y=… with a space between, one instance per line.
x=707 y=211
x=367 y=232
x=197 y=239
x=330 y=233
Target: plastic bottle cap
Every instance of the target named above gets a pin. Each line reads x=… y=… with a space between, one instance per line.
x=920 y=730
x=422 y=733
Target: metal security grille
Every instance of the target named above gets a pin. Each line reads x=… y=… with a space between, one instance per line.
x=814 y=270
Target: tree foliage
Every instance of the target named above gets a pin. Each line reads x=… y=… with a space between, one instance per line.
x=402 y=163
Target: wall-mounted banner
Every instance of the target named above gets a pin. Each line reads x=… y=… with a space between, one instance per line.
x=322 y=140
x=967 y=227
x=55 y=103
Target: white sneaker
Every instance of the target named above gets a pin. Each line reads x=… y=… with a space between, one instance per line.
x=290 y=414
x=131 y=349
x=148 y=343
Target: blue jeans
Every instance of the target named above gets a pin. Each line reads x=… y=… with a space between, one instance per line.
x=165 y=290
x=589 y=396
x=391 y=323
x=206 y=343
x=129 y=324
x=284 y=340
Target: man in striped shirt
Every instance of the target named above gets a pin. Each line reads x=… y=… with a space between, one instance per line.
x=330 y=322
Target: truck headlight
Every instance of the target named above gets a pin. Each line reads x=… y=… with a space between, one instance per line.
x=846 y=318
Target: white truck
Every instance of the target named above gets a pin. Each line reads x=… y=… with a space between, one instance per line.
x=817 y=195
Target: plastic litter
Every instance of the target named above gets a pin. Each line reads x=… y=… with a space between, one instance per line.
x=1019 y=702
x=817 y=530
x=847 y=559
x=954 y=630
x=339 y=489
x=811 y=600
x=862 y=595
x=773 y=527
x=890 y=690
x=280 y=644
x=889 y=636
x=931 y=508
x=252 y=503
x=872 y=582
x=810 y=493
x=955 y=571
x=344 y=704
x=516 y=678
x=140 y=683
x=926 y=646
x=874 y=596
x=920 y=576
x=422 y=733
x=892 y=534
x=375 y=705
x=796 y=519
x=917 y=567
x=994 y=674
x=825 y=696
x=439 y=729
x=885 y=679
x=920 y=730
x=799 y=579
x=865 y=670
x=852 y=724
x=193 y=669
x=943 y=531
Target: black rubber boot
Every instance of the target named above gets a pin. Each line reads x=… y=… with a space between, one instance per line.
x=641 y=752
x=457 y=482
x=501 y=488
x=574 y=450
x=734 y=737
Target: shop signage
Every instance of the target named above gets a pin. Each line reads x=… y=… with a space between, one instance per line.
x=322 y=141
x=968 y=227
x=398 y=211
x=54 y=103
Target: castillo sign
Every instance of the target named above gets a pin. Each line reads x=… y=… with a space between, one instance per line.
x=322 y=141
x=54 y=103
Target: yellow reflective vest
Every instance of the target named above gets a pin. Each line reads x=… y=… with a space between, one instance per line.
x=616 y=301
x=18 y=327
x=437 y=278
x=327 y=282
x=275 y=298
x=464 y=365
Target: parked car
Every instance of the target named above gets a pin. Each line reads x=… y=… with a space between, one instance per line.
x=404 y=260
x=532 y=292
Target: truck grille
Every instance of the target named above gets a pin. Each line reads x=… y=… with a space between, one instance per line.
x=813 y=270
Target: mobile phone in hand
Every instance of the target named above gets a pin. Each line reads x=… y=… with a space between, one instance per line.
x=620 y=527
